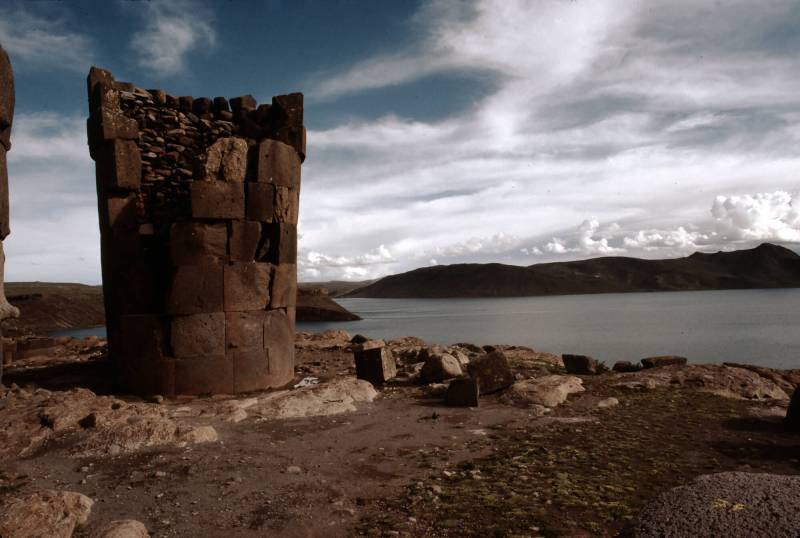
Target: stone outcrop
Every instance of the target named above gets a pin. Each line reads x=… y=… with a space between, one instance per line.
x=198 y=202
x=6 y=120
x=50 y=513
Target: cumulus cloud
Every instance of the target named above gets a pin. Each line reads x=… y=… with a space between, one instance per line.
x=35 y=42
x=170 y=35
x=770 y=216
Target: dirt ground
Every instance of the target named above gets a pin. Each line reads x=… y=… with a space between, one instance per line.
x=405 y=465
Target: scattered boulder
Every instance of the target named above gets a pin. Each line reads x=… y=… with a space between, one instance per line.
x=439 y=366
x=125 y=528
x=50 y=513
x=491 y=371
x=580 y=364
x=463 y=392
x=338 y=396
x=548 y=391
x=793 y=414
x=665 y=360
x=732 y=504
x=358 y=339
x=374 y=362
x=626 y=366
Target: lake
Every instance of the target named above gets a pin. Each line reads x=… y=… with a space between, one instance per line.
x=753 y=326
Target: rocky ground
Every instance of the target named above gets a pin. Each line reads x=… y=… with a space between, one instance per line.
x=554 y=454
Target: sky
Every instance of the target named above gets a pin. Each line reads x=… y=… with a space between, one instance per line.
x=441 y=131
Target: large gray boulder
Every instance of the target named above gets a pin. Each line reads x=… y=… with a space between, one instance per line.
x=733 y=505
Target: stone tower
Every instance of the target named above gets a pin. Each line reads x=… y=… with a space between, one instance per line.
x=6 y=119
x=198 y=201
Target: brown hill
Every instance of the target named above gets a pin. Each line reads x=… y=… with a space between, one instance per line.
x=766 y=266
x=47 y=307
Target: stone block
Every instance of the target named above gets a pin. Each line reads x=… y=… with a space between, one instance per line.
x=226 y=160
x=201 y=105
x=217 y=200
x=283 y=292
x=491 y=371
x=792 y=420
x=245 y=330
x=204 y=375
x=251 y=370
x=288 y=108
x=196 y=289
x=666 y=360
x=439 y=367
x=193 y=243
x=279 y=341
x=374 y=364
x=198 y=335
x=243 y=102
x=119 y=165
x=295 y=137
x=291 y=315
x=185 y=103
x=579 y=364
x=142 y=337
x=122 y=212
x=283 y=243
x=463 y=392
x=159 y=97
x=221 y=104
x=246 y=286
x=277 y=163
x=287 y=205
x=244 y=238
x=260 y=201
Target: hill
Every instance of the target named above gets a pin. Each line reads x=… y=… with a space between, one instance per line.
x=766 y=266
x=47 y=307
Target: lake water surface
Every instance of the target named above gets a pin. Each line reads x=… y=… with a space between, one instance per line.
x=754 y=326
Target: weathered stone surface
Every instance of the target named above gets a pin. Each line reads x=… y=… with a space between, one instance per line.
x=125 y=528
x=122 y=212
x=260 y=201
x=5 y=227
x=440 y=366
x=226 y=160
x=245 y=330
x=336 y=397
x=243 y=102
x=732 y=504
x=217 y=200
x=198 y=335
x=119 y=165
x=251 y=370
x=46 y=513
x=244 y=238
x=201 y=375
x=287 y=205
x=196 y=289
x=285 y=243
x=283 y=292
x=579 y=364
x=793 y=413
x=491 y=371
x=463 y=392
x=279 y=341
x=193 y=243
x=374 y=363
x=666 y=360
x=549 y=391
x=6 y=99
x=278 y=163
x=246 y=286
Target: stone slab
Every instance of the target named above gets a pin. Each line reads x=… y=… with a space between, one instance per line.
x=198 y=335
x=244 y=239
x=193 y=243
x=277 y=163
x=260 y=201
x=245 y=330
x=217 y=200
x=196 y=289
x=246 y=286
x=283 y=291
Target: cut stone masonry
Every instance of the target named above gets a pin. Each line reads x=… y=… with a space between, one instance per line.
x=198 y=202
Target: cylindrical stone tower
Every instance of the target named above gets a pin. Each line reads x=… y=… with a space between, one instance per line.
x=198 y=202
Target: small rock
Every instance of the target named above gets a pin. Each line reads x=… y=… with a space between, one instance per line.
x=607 y=402
x=580 y=364
x=440 y=366
x=126 y=528
x=50 y=513
x=626 y=366
x=463 y=392
x=294 y=469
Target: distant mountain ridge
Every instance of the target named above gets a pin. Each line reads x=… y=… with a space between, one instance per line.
x=766 y=266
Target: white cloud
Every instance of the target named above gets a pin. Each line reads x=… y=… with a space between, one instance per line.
x=769 y=216
x=36 y=42
x=172 y=30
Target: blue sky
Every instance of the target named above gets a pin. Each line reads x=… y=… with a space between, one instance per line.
x=441 y=131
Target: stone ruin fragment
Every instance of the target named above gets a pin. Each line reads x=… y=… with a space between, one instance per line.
x=6 y=119
x=198 y=202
